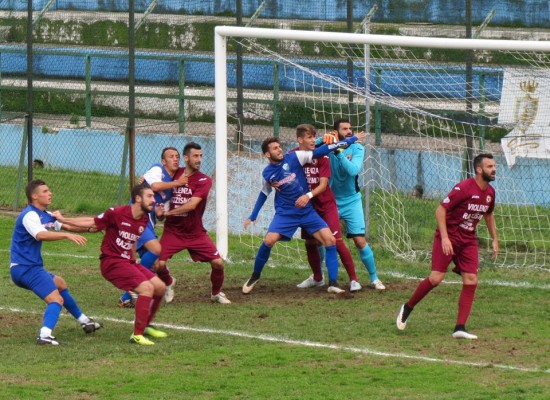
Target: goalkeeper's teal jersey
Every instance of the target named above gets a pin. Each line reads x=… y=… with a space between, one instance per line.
x=345 y=168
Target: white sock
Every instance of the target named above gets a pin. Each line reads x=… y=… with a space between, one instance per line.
x=45 y=332
x=83 y=319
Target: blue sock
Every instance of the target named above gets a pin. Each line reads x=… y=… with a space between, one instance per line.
x=148 y=259
x=261 y=258
x=367 y=256
x=125 y=296
x=51 y=315
x=70 y=303
x=332 y=263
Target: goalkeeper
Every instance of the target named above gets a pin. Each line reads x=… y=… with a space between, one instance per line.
x=345 y=165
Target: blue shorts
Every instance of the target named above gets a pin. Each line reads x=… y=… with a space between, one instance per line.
x=286 y=226
x=147 y=235
x=350 y=210
x=36 y=279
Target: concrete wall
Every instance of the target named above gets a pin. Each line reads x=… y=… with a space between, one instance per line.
x=518 y=12
x=528 y=182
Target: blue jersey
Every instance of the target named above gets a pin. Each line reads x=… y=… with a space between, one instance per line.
x=25 y=250
x=345 y=167
x=157 y=173
x=290 y=181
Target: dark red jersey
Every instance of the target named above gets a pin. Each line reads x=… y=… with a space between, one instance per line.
x=121 y=232
x=466 y=205
x=189 y=224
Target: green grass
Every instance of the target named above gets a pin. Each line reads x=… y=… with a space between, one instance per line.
x=344 y=348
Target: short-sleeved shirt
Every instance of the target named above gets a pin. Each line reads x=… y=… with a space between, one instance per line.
x=121 y=232
x=157 y=173
x=25 y=250
x=289 y=177
x=466 y=205
x=190 y=223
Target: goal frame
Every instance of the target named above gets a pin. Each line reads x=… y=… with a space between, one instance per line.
x=222 y=33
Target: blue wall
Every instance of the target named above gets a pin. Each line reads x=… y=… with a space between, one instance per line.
x=528 y=182
x=525 y=12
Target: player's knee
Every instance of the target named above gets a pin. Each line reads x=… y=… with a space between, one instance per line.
x=217 y=263
x=145 y=288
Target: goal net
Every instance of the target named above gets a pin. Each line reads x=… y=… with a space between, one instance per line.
x=428 y=111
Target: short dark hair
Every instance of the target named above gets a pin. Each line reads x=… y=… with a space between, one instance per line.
x=31 y=188
x=478 y=161
x=267 y=142
x=189 y=146
x=337 y=123
x=302 y=129
x=138 y=190
x=165 y=150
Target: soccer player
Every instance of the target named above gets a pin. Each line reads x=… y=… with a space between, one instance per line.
x=160 y=177
x=27 y=271
x=123 y=225
x=183 y=228
x=292 y=207
x=455 y=240
x=323 y=201
x=345 y=166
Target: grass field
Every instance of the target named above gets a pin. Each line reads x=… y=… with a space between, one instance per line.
x=279 y=342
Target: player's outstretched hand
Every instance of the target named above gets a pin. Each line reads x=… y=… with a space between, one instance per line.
x=330 y=137
x=140 y=180
x=361 y=136
x=81 y=240
x=247 y=223
x=57 y=215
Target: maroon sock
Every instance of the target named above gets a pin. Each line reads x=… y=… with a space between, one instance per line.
x=421 y=291
x=143 y=309
x=314 y=260
x=155 y=304
x=465 y=303
x=164 y=275
x=346 y=258
x=216 y=277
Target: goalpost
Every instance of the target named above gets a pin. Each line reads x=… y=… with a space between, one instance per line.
x=427 y=123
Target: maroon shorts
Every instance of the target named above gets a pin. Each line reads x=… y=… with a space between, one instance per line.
x=201 y=248
x=466 y=257
x=124 y=274
x=333 y=221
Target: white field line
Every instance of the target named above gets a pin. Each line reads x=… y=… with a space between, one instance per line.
x=307 y=343
x=393 y=274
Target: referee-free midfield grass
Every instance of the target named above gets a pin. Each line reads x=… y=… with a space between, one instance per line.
x=279 y=342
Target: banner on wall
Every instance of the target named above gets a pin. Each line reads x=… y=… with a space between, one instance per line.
x=525 y=104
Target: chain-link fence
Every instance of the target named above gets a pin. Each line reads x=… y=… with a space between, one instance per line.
x=101 y=87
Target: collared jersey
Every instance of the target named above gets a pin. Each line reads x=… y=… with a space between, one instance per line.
x=189 y=224
x=466 y=205
x=122 y=231
x=25 y=249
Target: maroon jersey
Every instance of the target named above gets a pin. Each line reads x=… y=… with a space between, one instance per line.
x=121 y=232
x=466 y=205
x=315 y=170
x=189 y=224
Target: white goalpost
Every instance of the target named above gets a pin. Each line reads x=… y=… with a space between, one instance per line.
x=425 y=125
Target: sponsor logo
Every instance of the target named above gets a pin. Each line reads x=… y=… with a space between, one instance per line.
x=475 y=196
x=286 y=167
x=446 y=200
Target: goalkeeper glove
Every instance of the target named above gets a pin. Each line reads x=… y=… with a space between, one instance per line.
x=330 y=138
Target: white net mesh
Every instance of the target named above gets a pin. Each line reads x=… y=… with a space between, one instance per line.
x=428 y=117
